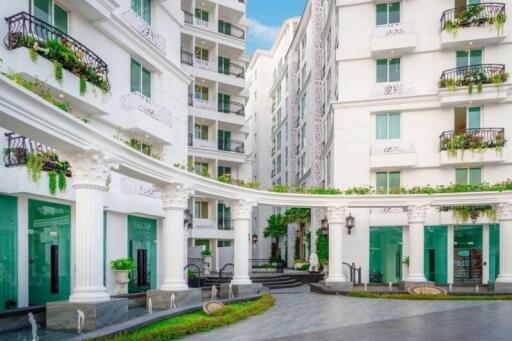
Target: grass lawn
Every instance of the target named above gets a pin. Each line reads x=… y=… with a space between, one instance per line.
x=366 y=294
x=180 y=326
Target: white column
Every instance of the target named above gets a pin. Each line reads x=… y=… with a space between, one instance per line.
x=450 y=246
x=485 y=254
x=336 y=219
x=241 y=215
x=416 y=219
x=504 y=215
x=175 y=200
x=90 y=172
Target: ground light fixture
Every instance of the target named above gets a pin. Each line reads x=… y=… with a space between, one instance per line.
x=350 y=222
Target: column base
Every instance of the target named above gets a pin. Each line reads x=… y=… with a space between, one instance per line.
x=241 y=281
x=63 y=315
x=240 y=289
x=409 y=284
x=501 y=287
x=179 y=286
x=96 y=295
x=338 y=286
x=161 y=299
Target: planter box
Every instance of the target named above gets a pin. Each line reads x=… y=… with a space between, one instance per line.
x=470 y=157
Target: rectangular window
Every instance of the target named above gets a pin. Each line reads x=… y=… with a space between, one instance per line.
x=223 y=217
x=224 y=27
x=388 y=13
x=201 y=132
x=388 y=70
x=223 y=101
x=140 y=79
x=202 y=54
x=224 y=141
x=201 y=209
x=223 y=170
x=224 y=64
x=140 y=146
x=143 y=9
x=51 y=13
x=302 y=106
x=388 y=182
x=469 y=57
x=202 y=14
x=279 y=163
x=201 y=92
x=303 y=135
x=388 y=126
x=201 y=168
x=278 y=144
x=468 y=176
x=223 y=243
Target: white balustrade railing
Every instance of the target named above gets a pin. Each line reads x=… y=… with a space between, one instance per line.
x=393 y=30
x=202 y=23
x=137 y=101
x=204 y=224
x=209 y=144
x=392 y=89
x=205 y=104
x=145 y=30
x=134 y=186
x=203 y=64
x=386 y=147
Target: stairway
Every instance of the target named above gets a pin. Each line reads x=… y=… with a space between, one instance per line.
x=268 y=281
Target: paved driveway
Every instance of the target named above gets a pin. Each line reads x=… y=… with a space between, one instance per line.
x=300 y=315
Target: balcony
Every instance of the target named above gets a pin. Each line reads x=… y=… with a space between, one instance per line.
x=478 y=24
x=398 y=38
x=187 y=58
x=392 y=89
x=225 y=224
x=204 y=224
x=483 y=83
x=25 y=30
x=200 y=143
x=231 y=30
x=232 y=108
x=140 y=25
x=232 y=69
x=472 y=146
x=138 y=107
x=231 y=146
x=191 y=20
x=392 y=153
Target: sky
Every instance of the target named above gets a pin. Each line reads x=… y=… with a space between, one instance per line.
x=265 y=17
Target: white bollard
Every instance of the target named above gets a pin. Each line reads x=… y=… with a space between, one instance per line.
x=173 y=301
x=365 y=286
x=80 y=321
x=150 y=306
x=390 y=286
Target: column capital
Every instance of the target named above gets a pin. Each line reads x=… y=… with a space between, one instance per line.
x=175 y=195
x=336 y=214
x=417 y=213
x=90 y=168
x=504 y=211
x=241 y=209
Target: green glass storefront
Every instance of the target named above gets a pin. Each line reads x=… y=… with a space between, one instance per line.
x=49 y=226
x=385 y=254
x=436 y=254
x=8 y=252
x=142 y=249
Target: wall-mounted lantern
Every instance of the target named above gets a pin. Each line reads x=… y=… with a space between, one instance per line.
x=350 y=223
x=324 y=226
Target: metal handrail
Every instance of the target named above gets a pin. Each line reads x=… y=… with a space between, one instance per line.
x=231 y=146
x=355 y=273
x=232 y=108
x=187 y=57
x=473 y=74
x=233 y=69
x=472 y=138
x=25 y=25
x=472 y=15
x=226 y=269
x=234 y=31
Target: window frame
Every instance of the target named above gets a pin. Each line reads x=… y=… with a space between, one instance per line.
x=387 y=116
x=54 y=3
x=388 y=63
x=387 y=188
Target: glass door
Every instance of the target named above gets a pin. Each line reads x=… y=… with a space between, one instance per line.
x=142 y=250
x=8 y=252
x=467 y=262
x=436 y=254
x=49 y=251
x=385 y=254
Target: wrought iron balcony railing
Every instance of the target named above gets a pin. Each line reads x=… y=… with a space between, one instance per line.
x=25 y=30
x=476 y=75
x=189 y=18
x=19 y=147
x=231 y=146
x=473 y=15
x=232 y=30
x=233 y=69
x=232 y=108
x=187 y=57
x=475 y=139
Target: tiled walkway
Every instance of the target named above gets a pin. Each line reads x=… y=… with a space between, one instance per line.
x=300 y=315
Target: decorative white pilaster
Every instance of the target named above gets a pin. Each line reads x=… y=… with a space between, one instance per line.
x=175 y=201
x=504 y=215
x=416 y=215
x=90 y=172
x=241 y=215
x=336 y=218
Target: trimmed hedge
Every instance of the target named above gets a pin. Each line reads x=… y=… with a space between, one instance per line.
x=183 y=325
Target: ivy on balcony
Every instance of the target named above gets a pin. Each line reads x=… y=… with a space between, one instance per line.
x=226 y=178
x=474 y=15
x=473 y=76
x=476 y=140
x=65 y=52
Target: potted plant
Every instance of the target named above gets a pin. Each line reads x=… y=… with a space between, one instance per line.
x=122 y=268
x=207 y=260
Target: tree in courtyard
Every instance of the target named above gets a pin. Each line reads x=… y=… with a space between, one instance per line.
x=276 y=228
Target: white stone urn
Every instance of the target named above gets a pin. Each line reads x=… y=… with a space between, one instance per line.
x=122 y=280
x=207 y=264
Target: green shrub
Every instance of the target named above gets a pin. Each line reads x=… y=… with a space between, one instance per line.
x=123 y=264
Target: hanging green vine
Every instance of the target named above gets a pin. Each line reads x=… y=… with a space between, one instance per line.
x=52 y=182
x=35 y=164
x=33 y=54
x=57 y=71
x=62 y=181
x=83 y=86
x=463 y=214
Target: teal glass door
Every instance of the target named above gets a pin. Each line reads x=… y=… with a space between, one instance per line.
x=494 y=252
x=385 y=254
x=49 y=226
x=8 y=252
x=436 y=254
x=142 y=250
x=467 y=262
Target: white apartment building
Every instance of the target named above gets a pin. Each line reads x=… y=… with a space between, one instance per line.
x=123 y=72
x=415 y=94
x=213 y=42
